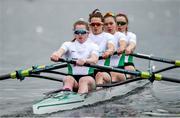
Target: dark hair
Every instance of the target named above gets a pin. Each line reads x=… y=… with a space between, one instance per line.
x=125 y=16
x=96 y=13
x=110 y=14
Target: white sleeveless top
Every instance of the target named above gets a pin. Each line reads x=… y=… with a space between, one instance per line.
x=76 y=50
x=102 y=41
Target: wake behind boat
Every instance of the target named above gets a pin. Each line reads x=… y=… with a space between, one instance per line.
x=67 y=100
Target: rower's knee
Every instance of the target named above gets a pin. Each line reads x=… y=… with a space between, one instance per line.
x=99 y=75
x=86 y=84
x=116 y=77
x=103 y=77
x=106 y=77
x=68 y=79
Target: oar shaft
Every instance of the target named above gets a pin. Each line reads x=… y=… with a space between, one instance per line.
x=105 y=68
x=4 y=77
x=145 y=75
x=45 y=77
x=34 y=70
x=171 y=79
x=48 y=67
x=169 y=61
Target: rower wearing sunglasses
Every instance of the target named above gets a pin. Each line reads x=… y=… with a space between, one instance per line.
x=80 y=78
x=104 y=41
x=120 y=46
x=122 y=26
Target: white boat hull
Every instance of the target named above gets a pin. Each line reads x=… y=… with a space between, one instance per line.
x=70 y=100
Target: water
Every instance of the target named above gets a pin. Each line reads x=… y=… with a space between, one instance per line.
x=30 y=30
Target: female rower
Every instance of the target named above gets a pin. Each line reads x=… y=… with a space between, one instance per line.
x=104 y=41
x=120 y=45
x=80 y=78
x=122 y=26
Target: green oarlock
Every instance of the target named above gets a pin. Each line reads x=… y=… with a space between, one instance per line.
x=158 y=77
x=145 y=75
x=177 y=63
x=13 y=75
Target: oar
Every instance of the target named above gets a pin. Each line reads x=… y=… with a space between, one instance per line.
x=20 y=74
x=159 y=59
x=45 y=77
x=154 y=58
x=145 y=75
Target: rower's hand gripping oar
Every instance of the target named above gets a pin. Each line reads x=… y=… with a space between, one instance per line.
x=33 y=71
x=145 y=75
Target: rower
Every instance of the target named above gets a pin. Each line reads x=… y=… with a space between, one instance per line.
x=120 y=45
x=80 y=78
x=104 y=41
x=122 y=26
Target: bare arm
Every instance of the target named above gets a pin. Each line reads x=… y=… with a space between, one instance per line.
x=130 y=49
x=57 y=54
x=122 y=47
x=110 y=50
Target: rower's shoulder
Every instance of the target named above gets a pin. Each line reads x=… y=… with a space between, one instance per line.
x=67 y=43
x=107 y=34
x=119 y=34
x=91 y=42
x=131 y=34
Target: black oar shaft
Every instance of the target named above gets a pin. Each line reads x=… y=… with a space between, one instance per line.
x=45 y=77
x=105 y=68
x=165 y=69
x=171 y=79
x=145 y=75
x=169 y=61
x=46 y=68
x=4 y=77
x=34 y=70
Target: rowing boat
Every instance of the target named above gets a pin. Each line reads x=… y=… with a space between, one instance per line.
x=67 y=100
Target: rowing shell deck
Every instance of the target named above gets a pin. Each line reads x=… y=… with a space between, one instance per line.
x=66 y=100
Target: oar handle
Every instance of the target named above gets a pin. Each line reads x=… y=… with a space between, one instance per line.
x=5 y=76
x=104 y=68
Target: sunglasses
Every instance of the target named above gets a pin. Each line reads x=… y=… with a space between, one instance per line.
x=121 y=23
x=110 y=23
x=96 y=24
x=82 y=32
